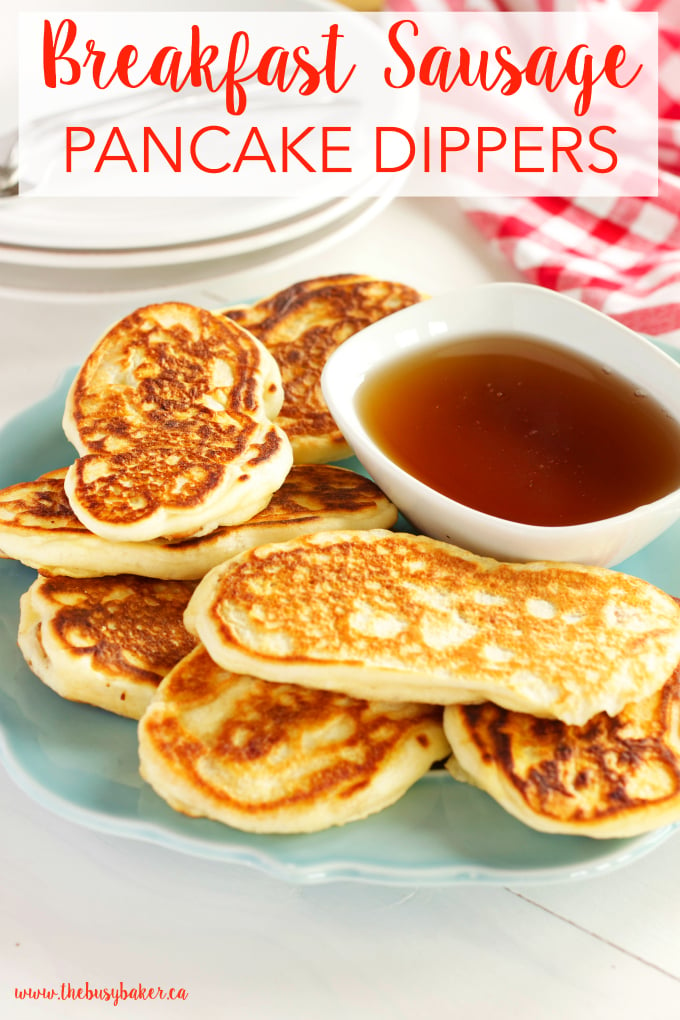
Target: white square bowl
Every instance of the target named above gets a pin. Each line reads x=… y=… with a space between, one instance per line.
x=523 y=309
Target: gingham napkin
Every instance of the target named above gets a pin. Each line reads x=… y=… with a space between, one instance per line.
x=619 y=255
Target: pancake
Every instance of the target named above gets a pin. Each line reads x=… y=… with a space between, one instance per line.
x=613 y=777
x=171 y=414
x=105 y=641
x=268 y=757
x=39 y=528
x=393 y=616
x=302 y=326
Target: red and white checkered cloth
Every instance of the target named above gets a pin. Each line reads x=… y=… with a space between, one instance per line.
x=619 y=255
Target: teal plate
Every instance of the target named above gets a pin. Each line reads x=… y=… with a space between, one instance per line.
x=81 y=762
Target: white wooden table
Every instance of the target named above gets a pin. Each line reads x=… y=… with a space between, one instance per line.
x=77 y=906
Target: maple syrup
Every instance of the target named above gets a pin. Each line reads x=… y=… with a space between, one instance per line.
x=522 y=429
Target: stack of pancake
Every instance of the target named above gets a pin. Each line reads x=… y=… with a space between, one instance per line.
x=293 y=663
x=185 y=459
x=559 y=683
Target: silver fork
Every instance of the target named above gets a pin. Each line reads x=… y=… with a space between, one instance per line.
x=9 y=167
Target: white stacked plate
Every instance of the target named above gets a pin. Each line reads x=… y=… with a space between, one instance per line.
x=84 y=251
x=89 y=245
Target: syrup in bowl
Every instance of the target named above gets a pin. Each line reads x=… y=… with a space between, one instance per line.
x=604 y=467
x=522 y=429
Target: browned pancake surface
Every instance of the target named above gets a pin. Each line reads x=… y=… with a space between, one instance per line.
x=276 y=757
x=620 y=774
x=38 y=526
x=403 y=616
x=167 y=404
x=126 y=625
x=39 y=506
x=301 y=326
x=105 y=641
x=309 y=491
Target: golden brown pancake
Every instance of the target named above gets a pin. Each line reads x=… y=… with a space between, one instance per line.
x=171 y=414
x=379 y=614
x=302 y=326
x=105 y=641
x=613 y=777
x=268 y=757
x=39 y=528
